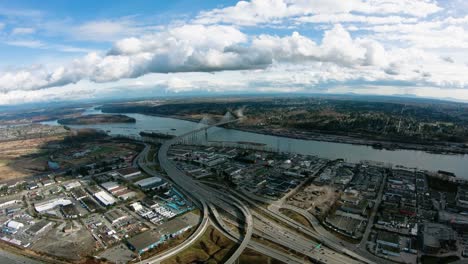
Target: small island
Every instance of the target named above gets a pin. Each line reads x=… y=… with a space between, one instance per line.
x=156 y=135
x=96 y=119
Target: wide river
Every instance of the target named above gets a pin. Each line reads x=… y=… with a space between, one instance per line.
x=457 y=164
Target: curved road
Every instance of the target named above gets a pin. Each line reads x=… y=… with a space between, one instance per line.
x=207 y=196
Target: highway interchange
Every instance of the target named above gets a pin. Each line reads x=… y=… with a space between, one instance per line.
x=249 y=216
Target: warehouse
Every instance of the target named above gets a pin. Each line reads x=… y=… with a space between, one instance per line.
x=104 y=198
x=14 y=226
x=70 y=185
x=70 y=211
x=109 y=186
x=151 y=183
x=128 y=173
x=144 y=241
x=78 y=193
x=150 y=239
x=50 y=204
x=115 y=216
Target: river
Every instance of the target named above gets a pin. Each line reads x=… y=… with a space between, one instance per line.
x=457 y=164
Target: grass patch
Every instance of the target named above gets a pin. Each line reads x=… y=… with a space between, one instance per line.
x=296 y=217
x=251 y=256
x=212 y=247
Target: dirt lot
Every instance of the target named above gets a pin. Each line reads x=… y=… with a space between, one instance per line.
x=317 y=199
x=22 y=158
x=14 y=164
x=73 y=246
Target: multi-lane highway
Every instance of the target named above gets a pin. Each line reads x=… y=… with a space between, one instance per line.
x=253 y=222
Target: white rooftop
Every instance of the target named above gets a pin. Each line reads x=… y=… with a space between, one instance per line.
x=105 y=198
x=110 y=185
x=148 y=181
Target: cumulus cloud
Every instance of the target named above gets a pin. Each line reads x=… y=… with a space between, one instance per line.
x=370 y=43
x=272 y=11
x=197 y=48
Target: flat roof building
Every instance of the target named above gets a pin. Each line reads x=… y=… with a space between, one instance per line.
x=150 y=183
x=89 y=204
x=70 y=211
x=12 y=224
x=78 y=193
x=50 y=204
x=104 y=198
x=109 y=186
x=115 y=216
x=71 y=184
x=128 y=173
x=39 y=227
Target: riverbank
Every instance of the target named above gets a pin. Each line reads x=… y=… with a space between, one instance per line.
x=377 y=144
x=450 y=149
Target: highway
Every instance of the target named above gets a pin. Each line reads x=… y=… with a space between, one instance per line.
x=254 y=223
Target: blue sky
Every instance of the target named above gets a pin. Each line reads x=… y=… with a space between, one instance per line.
x=66 y=50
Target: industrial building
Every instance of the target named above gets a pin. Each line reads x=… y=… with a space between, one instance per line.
x=151 y=183
x=39 y=227
x=127 y=194
x=89 y=204
x=109 y=186
x=115 y=216
x=388 y=243
x=70 y=211
x=144 y=241
x=128 y=173
x=71 y=184
x=50 y=204
x=13 y=226
x=105 y=198
x=78 y=193
x=436 y=237
x=151 y=238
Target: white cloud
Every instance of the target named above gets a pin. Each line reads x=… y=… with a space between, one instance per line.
x=26 y=43
x=378 y=45
x=272 y=11
x=23 y=31
x=220 y=48
x=106 y=30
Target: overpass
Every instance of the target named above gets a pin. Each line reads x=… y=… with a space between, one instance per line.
x=208 y=197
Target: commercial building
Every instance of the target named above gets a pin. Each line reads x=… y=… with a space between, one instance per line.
x=50 y=204
x=104 y=198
